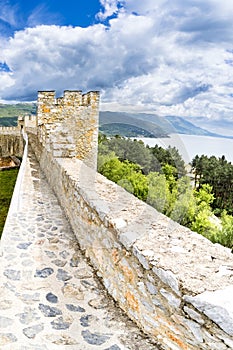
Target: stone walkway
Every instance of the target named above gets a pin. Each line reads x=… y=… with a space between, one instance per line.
x=50 y=297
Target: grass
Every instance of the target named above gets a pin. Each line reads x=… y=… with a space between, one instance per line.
x=7 y=183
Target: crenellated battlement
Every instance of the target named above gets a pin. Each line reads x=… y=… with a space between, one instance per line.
x=68 y=125
x=9 y=130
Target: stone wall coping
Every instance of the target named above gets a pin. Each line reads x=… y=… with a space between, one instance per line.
x=198 y=264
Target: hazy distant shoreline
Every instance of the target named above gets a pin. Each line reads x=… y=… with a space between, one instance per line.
x=191 y=145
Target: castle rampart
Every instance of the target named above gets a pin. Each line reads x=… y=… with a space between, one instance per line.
x=175 y=284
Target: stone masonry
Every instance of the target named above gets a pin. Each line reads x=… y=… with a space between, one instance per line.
x=11 y=142
x=68 y=126
x=173 y=283
x=50 y=296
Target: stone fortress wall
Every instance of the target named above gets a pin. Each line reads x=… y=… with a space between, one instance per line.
x=11 y=141
x=175 y=284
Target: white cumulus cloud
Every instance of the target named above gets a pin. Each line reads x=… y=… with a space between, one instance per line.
x=159 y=56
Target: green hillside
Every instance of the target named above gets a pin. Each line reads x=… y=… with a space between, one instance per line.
x=10 y=112
x=125 y=124
x=111 y=123
x=13 y=110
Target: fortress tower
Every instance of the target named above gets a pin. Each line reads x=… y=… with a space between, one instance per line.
x=68 y=126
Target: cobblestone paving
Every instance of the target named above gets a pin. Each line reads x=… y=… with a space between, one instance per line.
x=50 y=297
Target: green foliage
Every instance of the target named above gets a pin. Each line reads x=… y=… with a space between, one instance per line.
x=150 y=159
x=126 y=174
x=132 y=150
x=204 y=196
x=127 y=130
x=158 y=192
x=14 y=110
x=218 y=173
x=225 y=236
x=184 y=205
x=7 y=183
x=169 y=156
x=170 y=173
x=130 y=164
x=203 y=223
x=8 y=121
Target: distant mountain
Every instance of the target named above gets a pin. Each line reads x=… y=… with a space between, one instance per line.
x=148 y=125
x=134 y=124
x=13 y=110
x=129 y=125
x=9 y=112
x=183 y=126
x=219 y=126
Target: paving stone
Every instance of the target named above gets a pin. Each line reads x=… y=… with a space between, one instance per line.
x=12 y=274
x=74 y=308
x=44 y=273
x=64 y=254
x=29 y=315
x=70 y=290
x=60 y=323
x=89 y=284
x=113 y=347
x=58 y=262
x=27 y=262
x=63 y=275
x=86 y=320
x=31 y=332
x=82 y=273
x=98 y=303
x=30 y=298
x=6 y=338
x=50 y=254
x=95 y=338
x=49 y=311
x=24 y=245
x=52 y=298
x=74 y=261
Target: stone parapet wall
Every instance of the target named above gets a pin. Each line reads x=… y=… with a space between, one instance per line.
x=175 y=284
x=12 y=130
x=11 y=141
x=68 y=126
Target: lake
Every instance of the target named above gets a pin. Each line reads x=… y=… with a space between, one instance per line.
x=191 y=145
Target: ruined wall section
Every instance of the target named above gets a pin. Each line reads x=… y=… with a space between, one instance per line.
x=68 y=126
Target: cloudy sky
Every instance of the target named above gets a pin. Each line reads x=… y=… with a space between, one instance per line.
x=166 y=57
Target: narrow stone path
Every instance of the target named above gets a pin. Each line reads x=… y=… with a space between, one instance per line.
x=50 y=297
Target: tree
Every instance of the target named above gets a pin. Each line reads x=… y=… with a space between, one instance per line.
x=158 y=192
x=204 y=225
x=218 y=173
x=132 y=150
x=127 y=175
x=185 y=207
